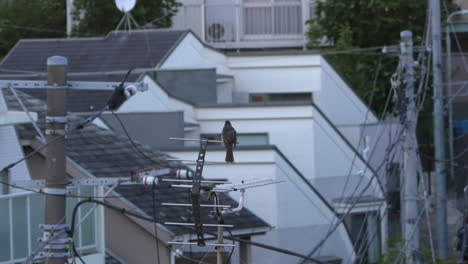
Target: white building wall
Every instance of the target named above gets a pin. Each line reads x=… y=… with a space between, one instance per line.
x=289 y=128
x=155 y=99
x=191 y=53
x=335 y=158
x=276 y=74
x=338 y=100
x=11 y=150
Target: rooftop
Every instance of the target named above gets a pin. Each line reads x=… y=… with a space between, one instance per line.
x=142 y=49
x=105 y=154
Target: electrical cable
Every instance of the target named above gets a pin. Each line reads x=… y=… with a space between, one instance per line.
x=348 y=177
x=149 y=219
x=332 y=226
x=422 y=89
x=79 y=126
x=75 y=252
x=155 y=225
x=374 y=149
x=233 y=245
x=341 y=219
x=133 y=142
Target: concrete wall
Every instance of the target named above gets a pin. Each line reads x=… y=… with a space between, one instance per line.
x=290 y=128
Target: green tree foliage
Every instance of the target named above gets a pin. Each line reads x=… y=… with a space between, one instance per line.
x=101 y=17
x=30 y=19
x=47 y=18
x=355 y=24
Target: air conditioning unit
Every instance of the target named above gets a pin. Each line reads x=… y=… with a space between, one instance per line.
x=219 y=32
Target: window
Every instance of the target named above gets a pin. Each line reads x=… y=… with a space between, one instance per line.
x=277 y=17
x=243 y=139
x=281 y=97
x=23 y=212
x=252 y=139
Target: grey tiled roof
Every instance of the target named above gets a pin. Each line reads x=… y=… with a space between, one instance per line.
x=77 y=100
x=116 y=51
x=105 y=154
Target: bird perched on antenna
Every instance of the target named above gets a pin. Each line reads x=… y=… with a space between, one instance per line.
x=230 y=140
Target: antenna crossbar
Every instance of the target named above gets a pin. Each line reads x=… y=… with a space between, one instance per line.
x=195 y=139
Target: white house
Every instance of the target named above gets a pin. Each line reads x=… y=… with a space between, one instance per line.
x=294 y=101
x=295 y=117
x=239 y=24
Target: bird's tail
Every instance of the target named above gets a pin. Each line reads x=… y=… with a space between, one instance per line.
x=229 y=154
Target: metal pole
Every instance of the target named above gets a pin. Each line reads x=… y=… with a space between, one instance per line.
x=410 y=190
x=55 y=177
x=69 y=8
x=5 y=177
x=448 y=55
x=219 y=249
x=439 y=134
x=465 y=224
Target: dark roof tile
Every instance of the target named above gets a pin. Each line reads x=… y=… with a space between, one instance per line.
x=117 y=51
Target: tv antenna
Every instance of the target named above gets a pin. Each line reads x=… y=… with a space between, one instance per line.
x=127 y=21
x=196 y=185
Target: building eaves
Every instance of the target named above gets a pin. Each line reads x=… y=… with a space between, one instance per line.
x=220 y=147
x=358 y=199
x=254 y=104
x=293 y=52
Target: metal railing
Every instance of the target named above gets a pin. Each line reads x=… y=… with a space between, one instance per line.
x=21 y=213
x=247 y=20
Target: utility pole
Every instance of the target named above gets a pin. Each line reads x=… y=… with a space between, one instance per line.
x=55 y=177
x=410 y=197
x=69 y=4
x=219 y=249
x=439 y=134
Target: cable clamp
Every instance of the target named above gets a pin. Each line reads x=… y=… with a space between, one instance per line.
x=52 y=255
x=56 y=119
x=54 y=191
x=65 y=227
x=55 y=132
x=55 y=86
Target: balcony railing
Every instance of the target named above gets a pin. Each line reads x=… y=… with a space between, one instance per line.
x=247 y=23
x=21 y=214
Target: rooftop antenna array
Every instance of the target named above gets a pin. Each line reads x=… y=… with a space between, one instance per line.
x=127 y=21
x=212 y=188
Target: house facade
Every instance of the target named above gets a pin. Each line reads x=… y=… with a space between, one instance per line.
x=246 y=24
x=295 y=117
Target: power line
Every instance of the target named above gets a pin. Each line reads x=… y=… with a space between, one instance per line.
x=132 y=141
x=333 y=227
x=149 y=219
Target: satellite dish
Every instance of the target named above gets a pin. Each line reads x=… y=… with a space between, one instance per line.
x=125 y=5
